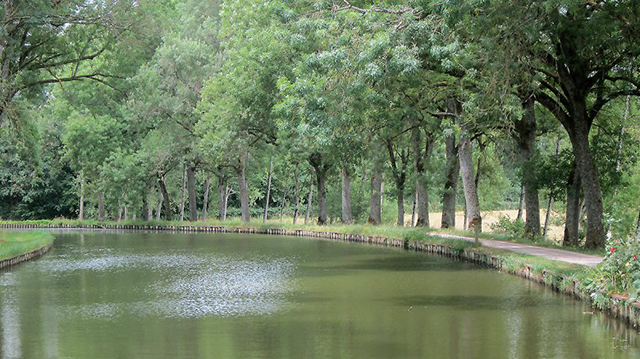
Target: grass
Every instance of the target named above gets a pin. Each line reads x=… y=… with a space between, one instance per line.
x=16 y=243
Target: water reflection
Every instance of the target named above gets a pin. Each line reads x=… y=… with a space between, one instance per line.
x=11 y=343
x=199 y=296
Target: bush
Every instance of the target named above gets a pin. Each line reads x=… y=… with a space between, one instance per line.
x=508 y=226
x=619 y=271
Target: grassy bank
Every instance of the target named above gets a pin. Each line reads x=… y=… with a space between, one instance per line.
x=16 y=243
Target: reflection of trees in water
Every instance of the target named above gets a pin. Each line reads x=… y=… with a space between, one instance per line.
x=11 y=341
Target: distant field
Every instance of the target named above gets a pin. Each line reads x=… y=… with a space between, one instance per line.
x=491 y=217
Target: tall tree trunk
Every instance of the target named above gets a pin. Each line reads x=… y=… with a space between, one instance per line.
x=268 y=197
x=126 y=213
x=296 y=195
x=375 y=200
x=322 y=197
x=159 y=207
x=184 y=189
x=400 y=177
x=520 y=203
x=222 y=189
x=205 y=200
x=591 y=189
x=478 y=170
x=101 y=214
x=578 y=125
x=551 y=194
x=81 y=209
x=547 y=217
x=145 y=207
x=526 y=140
x=321 y=169
x=400 y=199
x=472 y=204
x=244 y=192
x=413 y=210
x=191 y=182
x=309 y=200
x=346 y=197
x=422 y=219
x=450 y=184
x=227 y=193
x=165 y=197
x=572 y=222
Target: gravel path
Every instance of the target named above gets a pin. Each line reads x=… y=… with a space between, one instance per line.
x=550 y=253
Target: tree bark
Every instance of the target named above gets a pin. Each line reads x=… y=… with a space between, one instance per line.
x=244 y=192
x=296 y=195
x=422 y=202
x=590 y=186
x=205 y=200
x=346 y=197
x=400 y=177
x=145 y=207
x=413 y=209
x=526 y=140
x=520 y=203
x=227 y=193
x=450 y=184
x=268 y=196
x=547 y=218
x=81 y=209
x=309 y=199
x=375 y=200
x=572 y=222
x=321 y=169
x=472 y=204
x=165 y=198
x=191 y=182
x=222 y=188
x=101 y=213
x=184 y=189
x=551 y=195
x=159 y=207
x=322 y=197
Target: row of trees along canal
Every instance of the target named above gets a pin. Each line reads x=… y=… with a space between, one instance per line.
x=266 y=107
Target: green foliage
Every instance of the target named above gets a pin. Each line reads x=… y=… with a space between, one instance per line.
x=619 y=272
x=508 y=226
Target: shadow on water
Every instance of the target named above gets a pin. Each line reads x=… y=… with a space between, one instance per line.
x=476 y=302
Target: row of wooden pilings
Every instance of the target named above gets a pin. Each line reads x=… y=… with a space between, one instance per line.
x=25 y=257
x=620 y=307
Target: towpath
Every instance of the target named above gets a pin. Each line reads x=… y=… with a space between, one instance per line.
x=550 y=253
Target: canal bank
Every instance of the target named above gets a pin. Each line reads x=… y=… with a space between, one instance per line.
x=569 y=278
x=17 y=247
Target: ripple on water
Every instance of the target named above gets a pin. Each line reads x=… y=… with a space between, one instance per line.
x=191 y=286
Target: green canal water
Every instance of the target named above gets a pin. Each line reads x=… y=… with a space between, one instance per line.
x=160 y=295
